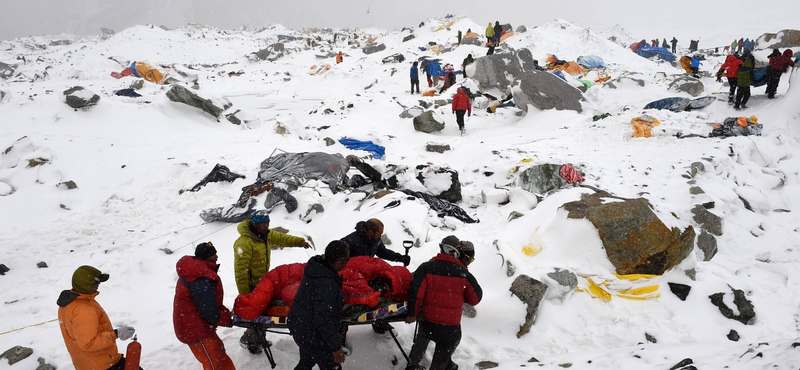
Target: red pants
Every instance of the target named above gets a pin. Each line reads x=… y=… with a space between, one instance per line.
x=211 y=353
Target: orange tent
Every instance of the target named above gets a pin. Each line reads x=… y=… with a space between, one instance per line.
x=686 y=63
x=643 y=125
x=506 y=35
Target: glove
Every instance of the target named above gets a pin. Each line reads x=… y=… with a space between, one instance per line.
x=406 y=260
x=124 y=332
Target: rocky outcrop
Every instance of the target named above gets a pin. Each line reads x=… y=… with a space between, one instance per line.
x=214 y=107
x=427 y=123
x=546 y=91
x=78 y=97
x=531 y=292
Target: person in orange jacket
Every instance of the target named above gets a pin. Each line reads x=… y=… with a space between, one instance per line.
x=339 y=58
x=461 y=106
x=90 y=339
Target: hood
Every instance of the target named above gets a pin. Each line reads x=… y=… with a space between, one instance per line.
x=414 y=64
x=68 y=296
x=788 y=53
x=461 y=91
x=730 y=59
x=191 y=268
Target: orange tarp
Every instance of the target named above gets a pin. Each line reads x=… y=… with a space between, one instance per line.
x=643 y=125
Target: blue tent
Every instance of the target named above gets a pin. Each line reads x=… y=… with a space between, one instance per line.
x=678 y=104
x=377 y=150
x=591 y=62
x=660 y=53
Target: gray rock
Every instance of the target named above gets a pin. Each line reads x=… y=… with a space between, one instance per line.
x=78 y=97
x=695 y=190
x=138 y=84
x=733 y=336
x=329 y=141
x=708 y=244
x=16 y=354
x=541 y=178
x=788 y=38
x=263 y=54
x=106 y=31
x=411 y=112
x=521 y=29
x=426 y=123
x=477 y=41
x=514 y=215
x=4 y=269
x=680 y=290
x=746 y=313
x=697 y=167
x=486 y=365
x=546 y=91
x=3 y=95
x=707 y=220
x=42 y=265
x=510 y=269
x=531 y=292
x=181 y=94
x=44 y=366
x=564 y=277
x=408 y=38
x=498 y=70
x=650 y=338
x=67 y=185
x=238 y=117
x=565 y=284
x=373 y=48
x=687 y=84
x=437 y=148
x=7 y=70
x=278 y=47
x=453 y=193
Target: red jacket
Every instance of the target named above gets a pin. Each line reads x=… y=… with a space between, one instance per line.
x=197 y=309
x=440 y=288
x=731 y=66
x=780 y=63
x=461 y=101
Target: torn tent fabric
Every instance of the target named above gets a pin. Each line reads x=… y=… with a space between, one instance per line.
x=643 y=125
x=218 y=173
x=678 y=104
x=296 y=169
x=376 y=150
x=570 y=174
x=232 y=213
x=142 y=70
x=657 y=52
x=591 y=62
x=737 y=126
x=442 y=207
x=365 y=281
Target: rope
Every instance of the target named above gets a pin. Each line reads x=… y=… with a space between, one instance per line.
x=37 y=324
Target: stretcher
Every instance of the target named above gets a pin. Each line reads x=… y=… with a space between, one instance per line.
x=383 y=314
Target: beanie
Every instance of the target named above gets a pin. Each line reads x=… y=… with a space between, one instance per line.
x=467 y=248
x=259 y=217
x=85 y=277
x=205 y=250
x=449 y=245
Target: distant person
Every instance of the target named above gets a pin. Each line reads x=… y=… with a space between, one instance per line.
x=436 y=298
x=366 y=241
x=740 y=46
x=654 y=43
x=90 y=339
x=459 y=37
x=498 y=31
x=731 y=69
x=425 y=64
x=467 y=61
x=744 y=78
x=777 y=66
x=489 y=34
x=695 y=66
x=733 y=47
x=316 y=313
x=664 y=44
x=674 y=42
x=414 y=78
x=339 y=58
x=435 y=71
x=449 y=81
x=461 y=106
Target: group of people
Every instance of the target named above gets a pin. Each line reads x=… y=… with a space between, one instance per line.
x=738 y=47
x=739 y=70
x=437 y=293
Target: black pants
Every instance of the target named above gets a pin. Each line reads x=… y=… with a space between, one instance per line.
x=732 y=81
x=320 y=358
x=742 y=96
x=446 y=337
x=414 y=83
x=773 y=79
x=460 y=118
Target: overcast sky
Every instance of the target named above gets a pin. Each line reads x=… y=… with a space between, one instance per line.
x=642 y=18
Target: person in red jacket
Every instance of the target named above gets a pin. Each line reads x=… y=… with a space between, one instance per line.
x=731 y=69
x=197 y=310
x=777 y=66
x=461 y=106
x=436 y=296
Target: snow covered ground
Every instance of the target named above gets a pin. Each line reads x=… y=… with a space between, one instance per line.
x=130 y=157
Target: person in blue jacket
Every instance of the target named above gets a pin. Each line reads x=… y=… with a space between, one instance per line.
x=435 y=70
x=414 y=78
x=695 y=65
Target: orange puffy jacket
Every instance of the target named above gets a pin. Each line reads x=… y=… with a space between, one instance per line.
x=87 y=331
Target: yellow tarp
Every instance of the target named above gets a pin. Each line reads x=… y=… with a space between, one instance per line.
x=371 y=40
x=429 y=93
x=643 y=125
x=446 y=26
x=605 y=292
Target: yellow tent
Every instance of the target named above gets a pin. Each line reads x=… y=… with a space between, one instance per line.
x=643 y=125
x=149 y=73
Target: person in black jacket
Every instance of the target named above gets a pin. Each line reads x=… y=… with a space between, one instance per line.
x=316 y=313
x=366 y=241
x=436 y=296
x=498 y=31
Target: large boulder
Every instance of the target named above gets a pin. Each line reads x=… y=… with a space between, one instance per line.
x=498 y=70
x=635 y=239
x=427 y=122
x=214 y=107
x=541 y=178
x=373 y=48
x=531 y=292
x=440 y=181
x=783 y=39
x=546 y=91
x=687 y=84
x=7 y=70
x=78 y=97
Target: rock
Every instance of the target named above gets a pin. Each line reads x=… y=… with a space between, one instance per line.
x=4 y=269
x=477 y=41
x=7 y=70
x=394 y=58
x=42 y=265
x=510 y=269
x=561 y=284
x=746 y=313
x=214 y=107
x=680 y=290
x=329 y=141
x=436 y=147
x=788 y=38
x=531 y=292
x=78 y=97
x=411 y=112
x=469 y=311
x=521 y=29
x=442 y=182
x=67 y=185
x=682 y=365
x=138 y=84
x=3 y=95
x=733 y=336
x=427 y=122
x=44 y=366
x=239 y=117
x=635 y=239
x=16 y=354
x=373 y=48
x=278 y=47
x=106 y=31
x=408 y=38
x=708 y=244
x=498 y=70
x=486 y=365
x=514 y=215
x=687 y=84
x=541 y=178
x=545 y=90
x=697 y=167
x=262 y=54
x=650 y=338
x=707 y=220
x=696 y=190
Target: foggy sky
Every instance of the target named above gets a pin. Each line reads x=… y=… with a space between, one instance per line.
x=643 y=18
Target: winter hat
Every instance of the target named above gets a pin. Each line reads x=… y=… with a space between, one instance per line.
x=449 y=245
x=85 y=277
x=259 y=217
x=468 y=248
x=205 y=250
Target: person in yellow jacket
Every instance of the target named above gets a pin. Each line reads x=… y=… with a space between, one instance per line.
x=490 y=32
x=87 y=331
x=251 y=256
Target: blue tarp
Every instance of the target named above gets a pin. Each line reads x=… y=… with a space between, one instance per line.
x=591 y=62
x=678 y=104
x=660 y=53
x=759 y=77
x=376 y=150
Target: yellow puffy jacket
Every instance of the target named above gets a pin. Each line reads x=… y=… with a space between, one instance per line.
x=87 y=331
x=490 y=31
x=251 y=256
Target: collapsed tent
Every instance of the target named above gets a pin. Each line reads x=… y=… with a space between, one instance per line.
x=442 y=207
x=591 y=61
x=737 y=126
x=376 y=150
x=677 y=104
x=506 y=35
x=554 y=64
x=655 y=51
x=643 y=125
x=218 y=173
x=366 y=281
x=142 y=70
